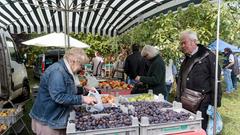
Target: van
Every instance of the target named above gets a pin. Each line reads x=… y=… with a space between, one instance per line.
x=43 y=61
x=13 y=73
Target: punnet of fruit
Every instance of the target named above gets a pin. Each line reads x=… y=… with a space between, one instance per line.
x=108 y=99
x=113 y=84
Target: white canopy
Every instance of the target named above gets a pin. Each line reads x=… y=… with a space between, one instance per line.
x=55 y=40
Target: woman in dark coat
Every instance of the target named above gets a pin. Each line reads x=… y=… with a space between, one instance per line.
x=155 y=78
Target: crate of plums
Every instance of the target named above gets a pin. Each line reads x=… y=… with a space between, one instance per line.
x=155 y=121
x=110 y=121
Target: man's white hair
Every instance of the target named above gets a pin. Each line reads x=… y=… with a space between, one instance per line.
x=76 y=54
x=150 y=51
x=191 y=34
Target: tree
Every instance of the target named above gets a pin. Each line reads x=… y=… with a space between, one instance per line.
x=103 y=44
x=163 y=31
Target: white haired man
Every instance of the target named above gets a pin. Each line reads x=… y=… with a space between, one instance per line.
x=57 y=94
x=197 y=76
x=155 y=78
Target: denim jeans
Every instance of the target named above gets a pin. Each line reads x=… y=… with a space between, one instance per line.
x=168 y=88
x=228 y=80
x=234 y=80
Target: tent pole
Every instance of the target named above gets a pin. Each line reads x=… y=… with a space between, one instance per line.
x=67 y=40
x=216 y=69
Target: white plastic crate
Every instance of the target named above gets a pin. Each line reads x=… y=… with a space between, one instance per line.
x=156 y=98
x=129 y=130
x=172 y=127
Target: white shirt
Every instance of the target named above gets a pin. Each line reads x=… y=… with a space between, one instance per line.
x=194 y=51
x=231 y=58
x=169 y=72
x=118 y=65
x=75 y=77
x=97 y=69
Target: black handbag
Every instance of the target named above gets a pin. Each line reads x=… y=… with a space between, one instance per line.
x=191 y=100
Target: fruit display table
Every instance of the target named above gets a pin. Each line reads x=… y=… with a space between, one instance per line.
x=155 y=116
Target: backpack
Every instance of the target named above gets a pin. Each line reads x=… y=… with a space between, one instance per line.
x=236 y=65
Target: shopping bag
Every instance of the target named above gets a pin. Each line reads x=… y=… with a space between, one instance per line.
x=219 y=122
x=91 y=80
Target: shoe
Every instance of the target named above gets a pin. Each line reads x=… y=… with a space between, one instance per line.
x=228 y=92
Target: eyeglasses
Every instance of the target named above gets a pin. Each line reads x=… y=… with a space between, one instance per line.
x=79 y=62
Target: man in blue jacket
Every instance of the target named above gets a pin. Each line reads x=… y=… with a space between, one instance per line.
x=57 y=94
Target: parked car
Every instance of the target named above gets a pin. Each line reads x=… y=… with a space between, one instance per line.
x=43 y=61
x=13 y=73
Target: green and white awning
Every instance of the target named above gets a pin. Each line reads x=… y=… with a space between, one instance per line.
x=105 y=17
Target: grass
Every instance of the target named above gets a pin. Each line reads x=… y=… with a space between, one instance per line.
x=230 y=110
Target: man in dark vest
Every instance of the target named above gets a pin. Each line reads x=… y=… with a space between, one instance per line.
x=197 y=73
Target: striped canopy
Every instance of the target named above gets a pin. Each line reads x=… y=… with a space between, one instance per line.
x=105 y=17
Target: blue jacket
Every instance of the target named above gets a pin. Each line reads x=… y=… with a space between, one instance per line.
x=56 y=95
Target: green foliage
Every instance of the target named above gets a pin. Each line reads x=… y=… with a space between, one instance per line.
x=32 y=51
x=163 y=31
x=103 y=44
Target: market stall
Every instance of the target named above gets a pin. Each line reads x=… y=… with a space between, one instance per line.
x=149 y=115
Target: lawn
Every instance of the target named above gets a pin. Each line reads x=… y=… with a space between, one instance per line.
x=230 y=111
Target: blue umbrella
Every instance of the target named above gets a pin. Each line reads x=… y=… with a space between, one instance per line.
x=222 y=46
